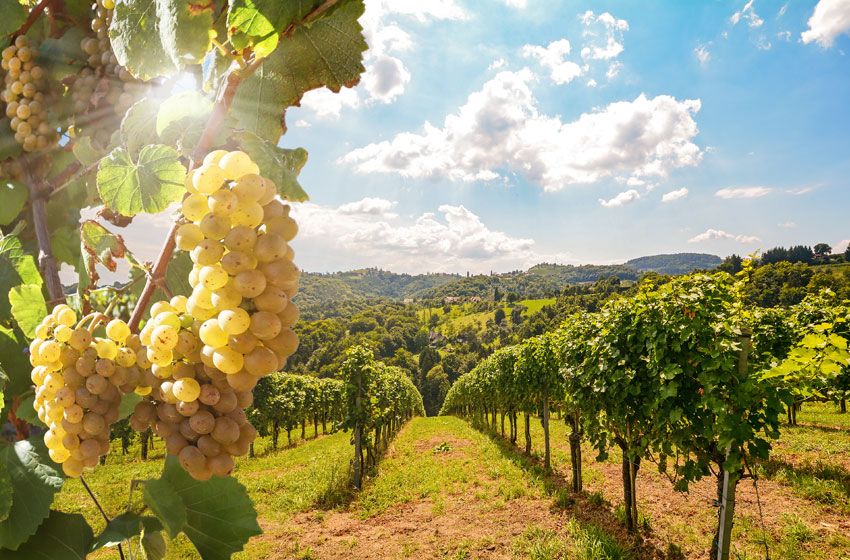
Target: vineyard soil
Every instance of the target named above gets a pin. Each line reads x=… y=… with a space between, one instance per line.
x=447 y=490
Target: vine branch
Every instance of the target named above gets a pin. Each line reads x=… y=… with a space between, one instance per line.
x=46 y=262
x=100 y=507
x=223 y=101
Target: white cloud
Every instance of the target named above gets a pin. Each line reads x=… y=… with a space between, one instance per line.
x=385 y=78
x=785 y=36
x=613 y=70
x=749 y=14
x=675 y=195
x=788 y=225
x=763 y=44
x=714 y=234
x=497 y=64
x=782 y=10
x=301 y=123
x=369 y=205
x=520 y=4
x=702 y=54
x=830 y=19
x=500 y=130
x=326 y=104
x=800 y=191
x=612 y=31
x=553 y=57
x=626 y=197
x=591 y=83
x=743 y=192
x=841 y=246
x=455 y=240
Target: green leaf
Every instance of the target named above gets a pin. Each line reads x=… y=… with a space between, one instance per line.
x=278 y=164
x=99 y=245
x=259 y=23
x=123 y=527
x=165 y=503
x=85 y=151
x=14 y=362
x=327 y=53
x=9 y=147
x=63 y=56
x=14 y=16
x=13 y=197
x=147 y=185
x=138 y=127
x=16 y=268
x=182 y=118
x=5 y=486
x=157 y=37
x=66 y=248
x=28 y=307
x=220 y=517
x=154 y=545
x=35 y=481
x=64 y=536
x=26 y=411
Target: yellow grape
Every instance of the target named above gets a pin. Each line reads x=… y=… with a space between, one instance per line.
x=188 y=183
x=211 y=334
x=49 y=351
x=226 y=298
x=117 y=330
x=237 y=164
x=270 y=192
x=213 y=277
x=178 y=303
x=240 y=238
x=234 y=321
x=249 y=214
x=186 y=389
x=161 y=307
x=222 y=202
x=195 y=207
x=188 y=236
x=249 y=188
x=227 y=360
x=62 y=333
x=164 y=337
x=66 y=316
x=208 y=178
x=214 y=157
x=215 y=227
x=169 y=318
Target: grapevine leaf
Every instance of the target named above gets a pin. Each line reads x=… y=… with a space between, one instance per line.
x=123 y=527
x=327 y=53
x=157 y=37
x=259 y=23
x=154 y=545
x=63 y=56
x=99 y=245
x=13 y=360
x=278 y=164
x=26 y=411
x=166 y=504
x=28 y=307
x=5 y=486
x=182 y=117
x=35 y=481
x=147 y=185
x=16 y=268
x=137 y=127
x=63 y=241
x=63 y=536
x=177 y=274
x=13 y=197
x=9 y=147
x=14 y=16
x=85 y=151
x=220 y=517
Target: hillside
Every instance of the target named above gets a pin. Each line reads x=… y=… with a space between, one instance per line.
x=677 y=263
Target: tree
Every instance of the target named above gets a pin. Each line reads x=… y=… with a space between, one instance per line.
x=847 y=253
x=731 y=264
x=427 y=360
x=512 y=297
x=499 y=316
x=434 y=388
x=822 y=250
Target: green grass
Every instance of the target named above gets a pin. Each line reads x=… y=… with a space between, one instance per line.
x=582 y=541
x=823 y=414
x=280 y=482
x=473 y=467
x=461 y=317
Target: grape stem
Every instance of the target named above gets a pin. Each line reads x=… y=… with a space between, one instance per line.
x=99 y=507
x=33 y=15
x=225 y=96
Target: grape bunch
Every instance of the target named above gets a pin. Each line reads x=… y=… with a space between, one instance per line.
x=103 y=73
x=26 y=92
x=80 y=380
x=209 y=350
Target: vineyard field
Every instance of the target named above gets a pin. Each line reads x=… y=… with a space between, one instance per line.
x=447 y=490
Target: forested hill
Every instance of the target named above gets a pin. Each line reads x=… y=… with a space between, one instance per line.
x=328 y=295
x=678 y=263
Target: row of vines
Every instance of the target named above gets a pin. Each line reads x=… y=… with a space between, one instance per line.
x=681 y=375
x=120 y=108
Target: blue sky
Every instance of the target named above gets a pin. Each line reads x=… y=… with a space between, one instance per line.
x=495 y=134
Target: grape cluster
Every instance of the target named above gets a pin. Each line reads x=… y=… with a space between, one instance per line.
x=26 y=93
x=103 y=73
x=79 y=382
x=209 y=350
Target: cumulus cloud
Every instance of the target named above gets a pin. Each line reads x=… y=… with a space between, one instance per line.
x=702 y=54
x=715 y=234
x=591 y=83
x=743 y=192
x=841 y=246
x=675 y=195
x=829 y=19
x=749 y=14
x=613 y=70
x=500 y=130
x=605 y=33
x=553 y=58
x=625 y=197
x=455 y=240
x=326 y=104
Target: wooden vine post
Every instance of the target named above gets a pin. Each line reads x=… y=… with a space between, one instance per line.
x=358 y=435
